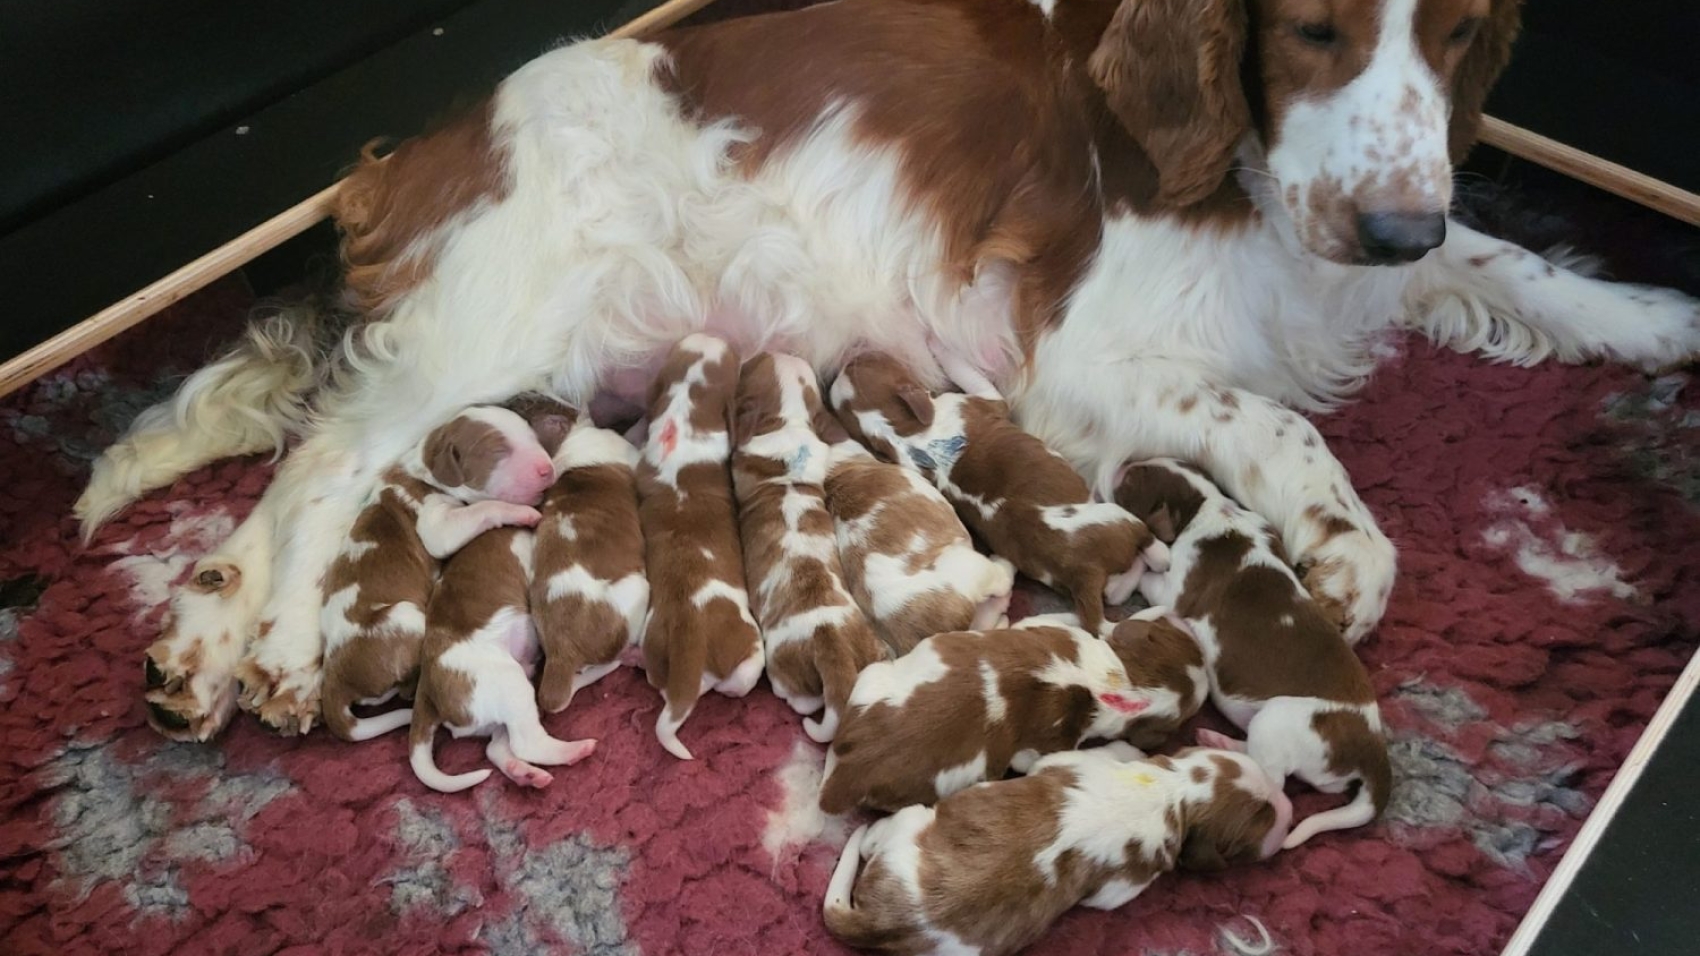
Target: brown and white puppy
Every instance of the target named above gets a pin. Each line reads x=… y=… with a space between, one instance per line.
x=1279 y=666
x=989 y=869
x=375 y=593
x=816 y=637
x=907 y=558
x=699 y=633
x=1023 y=500
x=475 y=675
x=965 y=707
x=1160 y=654
x=589 y=593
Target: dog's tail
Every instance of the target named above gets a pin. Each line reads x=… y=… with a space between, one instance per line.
x=675 y=662
x=336 y=706
x=424 y=762
x=249 y=400
x=1375 y=785
x=840 y=656
x=844 y=921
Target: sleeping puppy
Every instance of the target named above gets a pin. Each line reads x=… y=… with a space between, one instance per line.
x=817 y=639
x=966 y=707
x=1025 y=502
x=1279 y=667
x=699 y=633
x=907 y=559
x=475 y=677
x=589 y=593
x=990 y=868
x=375 y=593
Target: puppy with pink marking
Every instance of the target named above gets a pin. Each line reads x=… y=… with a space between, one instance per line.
x=589 y=592
x=965 y=707
x=1279 y=666
x=377 y=590
x=1022 y=499
x=817 y=639
x=907 y=558
x=989 y=869
x=699 y=633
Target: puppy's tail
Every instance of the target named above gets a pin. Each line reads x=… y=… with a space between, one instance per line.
x=843 y=920
x=840 y=656
x=1088 y=595
x=424 y=762
x=249 y=400
x=675 y=664
x=1375 y=785
x=336 y=707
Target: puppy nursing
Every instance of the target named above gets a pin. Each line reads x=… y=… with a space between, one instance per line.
x=376 y=592
x=966 y=707
x=1028 y=504
x=589 y=593
x=699 y=634
x=1279 y=667
x=816 y=637
x=988 y=869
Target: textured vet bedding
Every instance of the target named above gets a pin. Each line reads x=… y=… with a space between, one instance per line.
x=1546 y=522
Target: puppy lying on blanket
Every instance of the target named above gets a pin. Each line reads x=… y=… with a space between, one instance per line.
x=589 y=592
x=966 y=707
x=480 y=653
x=816 y=638
x=1025 y=502
x=907 y=558
x=990 y=868
x=699 y=633
x=1279 y=667
x=376 y=592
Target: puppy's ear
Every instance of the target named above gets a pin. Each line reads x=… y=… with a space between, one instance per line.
x=1489 y=52
x=1162 y=524
x=1170 y=71
x=1224 y=832
x=919 y=402
x=827 y=426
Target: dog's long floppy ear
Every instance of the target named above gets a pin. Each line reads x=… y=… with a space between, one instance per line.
x=1170 y=71
x=1488 y=54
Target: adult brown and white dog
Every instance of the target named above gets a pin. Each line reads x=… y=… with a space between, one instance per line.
x=1156 y=225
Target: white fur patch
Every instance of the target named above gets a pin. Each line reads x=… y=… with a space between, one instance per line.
x=798 y=820
x=1568 y=562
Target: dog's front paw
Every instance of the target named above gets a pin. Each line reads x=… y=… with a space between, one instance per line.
x=188 y=675
x=286 y=699
x=1664 y=333
x=502 y=514
x=1350 y=575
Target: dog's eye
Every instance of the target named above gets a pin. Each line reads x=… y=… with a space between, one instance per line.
x=1465 y=30
x=1316 y=34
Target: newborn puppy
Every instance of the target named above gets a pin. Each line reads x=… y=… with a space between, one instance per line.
x=1279 y=667
x=966 y=707
x=817 y=639
x=588 y=589
x=699 y=633
x=1025 y=502
x=1161 y=656
x=990 y=868
x=907 y=559
x=475 y=677
x=375 y=593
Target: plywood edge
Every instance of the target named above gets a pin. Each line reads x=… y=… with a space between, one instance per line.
x=1610 y=802
x=177 y=285
x=1600 y=173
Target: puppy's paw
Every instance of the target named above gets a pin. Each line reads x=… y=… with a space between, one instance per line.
x=293 y=706
x=183 y=700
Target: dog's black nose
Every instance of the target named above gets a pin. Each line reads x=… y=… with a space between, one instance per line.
x=1395 y=237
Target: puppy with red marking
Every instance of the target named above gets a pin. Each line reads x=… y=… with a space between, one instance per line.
x=475 y=677
x=699 y=633
x=1025 y=502
x=990 y=868
x=589 y=593
x=1279 y=666
x=907 y=558
x=966 y=707
x=376 y=592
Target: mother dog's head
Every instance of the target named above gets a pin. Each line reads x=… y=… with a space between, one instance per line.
x=1360 y=106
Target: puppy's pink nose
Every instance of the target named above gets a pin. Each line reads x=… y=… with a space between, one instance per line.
x=545 y=470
